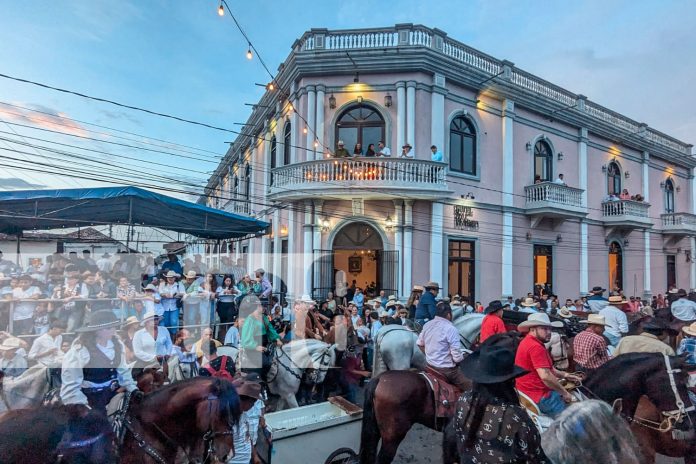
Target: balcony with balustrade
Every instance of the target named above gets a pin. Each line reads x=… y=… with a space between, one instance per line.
x=626 y=214
x=678 y=224
x=548 y=200
x=368 y=178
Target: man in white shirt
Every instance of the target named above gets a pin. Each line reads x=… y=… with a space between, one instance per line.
x=46 y=350
x=382 y=150
x=683 y=308
x=559 y=180
x=23 y=317
x=104 y=263
x=616 y=320
x=406 y=151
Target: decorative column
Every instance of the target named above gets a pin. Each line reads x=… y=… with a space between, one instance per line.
x=647 y=287
x=294 y=121
x=318 y=210
x=276 y=250
x=319 y=151
x=307 y=251
x=646 y=176
x=411 y=114
x=693 y=191
x=582 y=183
x=292 y=253
x=398 y=247
x=437 y=113
x=692 y=245
x=311 y=122
x=436 y=243
x=408 y=244
x=508 y=176
x=400 y=117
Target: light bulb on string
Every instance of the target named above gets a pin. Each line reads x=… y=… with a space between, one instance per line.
x=304 y=130
x=249 y=55
x=221 y=10
x=316 y=143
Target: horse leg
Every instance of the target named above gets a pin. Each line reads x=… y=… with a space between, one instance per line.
x=449 y=444
x=290 y=400
x=393 y=433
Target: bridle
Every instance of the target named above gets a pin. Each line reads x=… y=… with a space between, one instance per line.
x=208 y=438
x=67 y=446
x=278 y=357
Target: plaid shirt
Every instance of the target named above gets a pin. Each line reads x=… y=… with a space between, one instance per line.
x=688 y=346
x=590 y=349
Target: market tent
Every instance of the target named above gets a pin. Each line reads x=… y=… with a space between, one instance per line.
x=22 y=210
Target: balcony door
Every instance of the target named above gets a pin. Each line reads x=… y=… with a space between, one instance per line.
x=543 y=162
x=615 y=266
x=359 y=124
x=671 y=271
x=461 y=267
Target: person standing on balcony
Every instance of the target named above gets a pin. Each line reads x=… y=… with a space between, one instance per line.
x=370 y=150
x=436 y=155
x=560 y=181
x=406 y=151
x=382 y=150
x=357 y=150
x=341 y=151
x=625 y=195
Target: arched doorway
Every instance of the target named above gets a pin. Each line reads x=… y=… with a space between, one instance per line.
x=615 y=266
x=357 y=254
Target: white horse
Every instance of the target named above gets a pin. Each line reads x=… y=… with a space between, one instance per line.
x=290 y=364
x=396 y=349
x=25 y=391
x=179 y=371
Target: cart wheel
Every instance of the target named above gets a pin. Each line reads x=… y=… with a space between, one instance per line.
x=342 y=456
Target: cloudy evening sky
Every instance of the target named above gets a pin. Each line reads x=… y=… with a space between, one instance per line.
x=180 y=57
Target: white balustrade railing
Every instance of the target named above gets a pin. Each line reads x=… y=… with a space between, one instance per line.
x=420 y=36
x=679 y=220
x=362 y=172
x=631 y=208
x=547 y=193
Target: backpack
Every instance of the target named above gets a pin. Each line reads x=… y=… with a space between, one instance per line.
x=222 y=373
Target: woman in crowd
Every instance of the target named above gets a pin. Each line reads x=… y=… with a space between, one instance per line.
x=245 y=287
x=226 y=307
x=170 y=292
x=125 y=292
x=256 y=335
x=210 y=290
x=151 y=344
x=370 y=150
x=357 y=151
x=127 y=333
x=413 y=300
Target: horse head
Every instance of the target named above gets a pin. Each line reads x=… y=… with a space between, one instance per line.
x=88 y=439
x=667 y=388
x=216 y=416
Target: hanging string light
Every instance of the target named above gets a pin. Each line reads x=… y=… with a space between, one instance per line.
x=249 y=55
x=304 y=130
x=221 y=9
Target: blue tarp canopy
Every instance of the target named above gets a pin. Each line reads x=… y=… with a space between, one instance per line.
x=22 y=210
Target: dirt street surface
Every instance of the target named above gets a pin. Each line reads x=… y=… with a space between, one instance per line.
x=423 y=446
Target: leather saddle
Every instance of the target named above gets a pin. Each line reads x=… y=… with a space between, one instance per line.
x=445 y=394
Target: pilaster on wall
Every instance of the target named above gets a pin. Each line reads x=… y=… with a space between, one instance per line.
x=508 y=176
x=311 y=121
x=692 y=245
x=400 y=117
x=408 y=245
x=307 y=251
x=582 y=166
x=321 y=96
x=411 y=114
x=647 y=287
x=292 y=252
x=584 y=261
x=436 y=243
x=398 y=246
x=437 y=111
x=275 y=268
x=646 y=177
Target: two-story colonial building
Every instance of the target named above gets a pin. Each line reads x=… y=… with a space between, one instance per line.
x=492 y=218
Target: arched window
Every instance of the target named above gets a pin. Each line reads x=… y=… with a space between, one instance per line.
x=613 y=179
x=287 y=135
x=615 y=266
x=359 y=124
x=462 y=147
x=543 y=161
x=669 y=196
x=274 y=150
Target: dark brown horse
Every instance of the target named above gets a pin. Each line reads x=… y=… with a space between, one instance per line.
x=394 y=401
x=655 y=401
x=192 y=419
x=56 y=434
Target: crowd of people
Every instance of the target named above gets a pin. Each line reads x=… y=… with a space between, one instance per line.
x=381 y=150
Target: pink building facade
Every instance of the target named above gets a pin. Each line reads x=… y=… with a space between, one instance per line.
x=492 y=218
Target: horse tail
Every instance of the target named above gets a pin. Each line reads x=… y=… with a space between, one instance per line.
x=370 y=433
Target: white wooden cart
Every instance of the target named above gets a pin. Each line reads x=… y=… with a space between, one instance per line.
x=322 y=433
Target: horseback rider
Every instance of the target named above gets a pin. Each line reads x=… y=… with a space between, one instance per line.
x=651 y=340
x=256 y=338
x=439 y=340
x=95 y=366
x=541 y=382
x=426 y=309
x=493 y=322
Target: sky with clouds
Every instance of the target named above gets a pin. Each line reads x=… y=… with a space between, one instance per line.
x=179 y=57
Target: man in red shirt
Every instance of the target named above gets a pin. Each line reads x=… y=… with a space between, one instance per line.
x=493 y=322
x=541 y=383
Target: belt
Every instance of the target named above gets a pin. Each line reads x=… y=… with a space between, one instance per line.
x=113 y=386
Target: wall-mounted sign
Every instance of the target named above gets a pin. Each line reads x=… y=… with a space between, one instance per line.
x=463 y=218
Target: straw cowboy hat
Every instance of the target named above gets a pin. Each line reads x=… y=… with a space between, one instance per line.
x=539 y=319
x=617 y=299
x=491 y=363
x=307 y=299
x=104 y=319
x=528 y=302
x=565 y=313
x=673 y=291
x=383 y=313
x=690 y=329
x=432 y=285
x=11 y=343
x=391 y=302
x=132 y=320
x=456 y=300
x=418 y=288
x=150 y=287
x=172 y=274
x=148 y=315
x=189 y=275
x=594 y=319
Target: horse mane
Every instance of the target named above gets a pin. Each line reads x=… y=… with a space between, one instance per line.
x=229 y=407
x=613 y=368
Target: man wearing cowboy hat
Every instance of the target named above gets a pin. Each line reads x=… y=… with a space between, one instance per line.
x=244 y=433
x=617 y=322
x=541 y=382
x=45 y=350
x=171 y=292
x=596 y=300
x=589 y=346
x=391 y=304
x=529 y=305
x=425 y=311
x=95 y=366
x=406 y=151
x=684 y=309
x=12 y=361
x=493 y=321
x=151 y=344
x=651 y=340
x=172 y=264
x=687 y=346
x=439 y=340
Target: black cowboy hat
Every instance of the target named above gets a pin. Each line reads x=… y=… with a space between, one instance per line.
x=98 y=320
x=657 y=324
x=493 y=306
x=491 y=363
x=598 y=289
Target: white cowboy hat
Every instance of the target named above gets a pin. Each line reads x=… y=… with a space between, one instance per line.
x=594 y=319
x=539 y=319
x=11 y=343
x=528 y=302
x=690 y=329
x=565 y=313
x=189 y=275
x=391 y=302
x=151 y=287
x=148 y=315
x=383 y=313
x=171 y=274
x=392 y=297
x=307 y=299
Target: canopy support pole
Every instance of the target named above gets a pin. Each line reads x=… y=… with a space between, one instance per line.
x=130 y=223
x=19 y=245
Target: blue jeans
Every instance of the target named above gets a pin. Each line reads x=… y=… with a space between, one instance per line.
x=552 y=404
x=170 y=319
x=613 y=339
